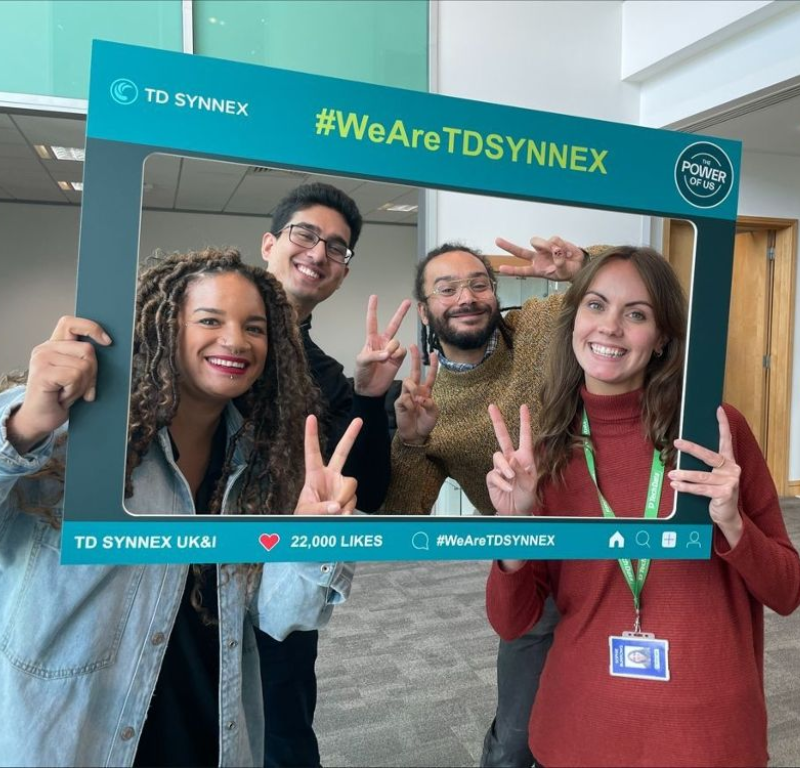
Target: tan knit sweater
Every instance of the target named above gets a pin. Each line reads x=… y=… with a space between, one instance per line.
x=462 y=442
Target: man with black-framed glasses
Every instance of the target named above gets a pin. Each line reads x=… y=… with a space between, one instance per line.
x=309 y=247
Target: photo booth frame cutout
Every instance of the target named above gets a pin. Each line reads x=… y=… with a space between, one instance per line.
x=144 y=101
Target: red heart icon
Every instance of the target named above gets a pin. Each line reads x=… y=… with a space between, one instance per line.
x=269 y=540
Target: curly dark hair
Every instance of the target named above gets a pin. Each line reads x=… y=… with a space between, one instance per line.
x=560 y=396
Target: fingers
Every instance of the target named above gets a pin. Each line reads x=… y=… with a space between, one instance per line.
x=416 y=364
x=71 y=328
x=397 y=318
x=346 y=493
x=540 y=244
x=495 y=479
x=504 y=467
x=500 y=430
x=432 y=370
x=392 y=351
x=68 y=368
x=313 y=455
x=372 y=315
x=725 y=439
x=514 y=249
x=568 y=250
x=405 y=402
x=344 y=445
x=709 y=457
x=713 y=489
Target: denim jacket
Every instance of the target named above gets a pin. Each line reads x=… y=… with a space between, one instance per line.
x=81 y=646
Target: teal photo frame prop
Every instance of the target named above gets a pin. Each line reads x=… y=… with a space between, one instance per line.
x=144 y=101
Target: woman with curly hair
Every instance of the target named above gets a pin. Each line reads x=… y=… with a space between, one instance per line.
x=157 y=665
x=653 y=663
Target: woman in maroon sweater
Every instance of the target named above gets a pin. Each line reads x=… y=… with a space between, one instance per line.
x=617 y=358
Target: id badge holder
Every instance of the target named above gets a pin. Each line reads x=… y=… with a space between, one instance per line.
x=640 y=655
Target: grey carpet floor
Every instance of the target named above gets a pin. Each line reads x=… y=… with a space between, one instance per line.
x=407 y=668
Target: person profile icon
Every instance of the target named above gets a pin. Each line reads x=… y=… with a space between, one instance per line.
x=694 y=539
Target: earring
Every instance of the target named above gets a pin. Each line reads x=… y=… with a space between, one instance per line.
x=658 y=352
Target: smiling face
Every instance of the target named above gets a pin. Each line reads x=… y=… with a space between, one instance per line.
x=615 y=333
x=308 y=276
x=222 y=340
x=465 y=321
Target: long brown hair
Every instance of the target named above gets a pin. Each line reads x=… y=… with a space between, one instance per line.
x=560 y=396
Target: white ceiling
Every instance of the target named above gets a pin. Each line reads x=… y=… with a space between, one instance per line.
x=187 y=184
x=171 y=183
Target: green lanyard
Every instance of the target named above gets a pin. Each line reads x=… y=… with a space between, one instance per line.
x=635 y=580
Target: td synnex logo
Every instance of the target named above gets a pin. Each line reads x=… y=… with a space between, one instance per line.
x=196 y=101
x=125 y=91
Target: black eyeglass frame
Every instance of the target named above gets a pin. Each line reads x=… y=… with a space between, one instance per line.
x=348 y=257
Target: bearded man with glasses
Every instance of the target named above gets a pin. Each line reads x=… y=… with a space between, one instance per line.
x=443 y=428
x=309 y=247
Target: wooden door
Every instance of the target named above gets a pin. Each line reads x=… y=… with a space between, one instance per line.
x=749 y=331
x=758 y=370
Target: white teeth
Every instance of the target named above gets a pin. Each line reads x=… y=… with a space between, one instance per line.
x=225 y=363
x=307 y=272
x=607 y=351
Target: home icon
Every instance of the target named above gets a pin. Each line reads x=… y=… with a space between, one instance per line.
x=617 y=540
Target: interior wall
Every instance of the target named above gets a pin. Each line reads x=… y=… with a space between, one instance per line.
x=539 y=57
x=758 y=58
x=659 y=33
x=39 y=265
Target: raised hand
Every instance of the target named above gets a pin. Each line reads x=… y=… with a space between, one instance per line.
x=512 y=482
x=721 y=484
x=61 y=371
x=325 y=490
x=382 y=355
x=415 y=409
x=553 y=259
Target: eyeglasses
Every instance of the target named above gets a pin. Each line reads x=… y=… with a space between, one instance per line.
x=307 y=238
x=451 y=290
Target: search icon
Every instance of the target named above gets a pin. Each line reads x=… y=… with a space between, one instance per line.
x=420 y=541
x=643 y=539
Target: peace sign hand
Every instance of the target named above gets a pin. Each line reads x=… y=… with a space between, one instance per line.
x=553 y=259
x=382 y=354
x=326 y=491
x=721 y=484
x=512 y=482
x=415 y=409
x=62 y=371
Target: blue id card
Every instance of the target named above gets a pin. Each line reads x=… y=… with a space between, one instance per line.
x=639 y=655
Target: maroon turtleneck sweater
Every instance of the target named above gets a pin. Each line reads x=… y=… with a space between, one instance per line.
x=712 y=711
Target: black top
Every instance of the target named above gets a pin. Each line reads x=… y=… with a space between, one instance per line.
x=182 y=725
x=370 y=460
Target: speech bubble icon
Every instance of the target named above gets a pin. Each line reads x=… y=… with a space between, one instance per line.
x=420 y=540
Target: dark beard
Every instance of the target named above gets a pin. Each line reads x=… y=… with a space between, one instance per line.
x=464 y=339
